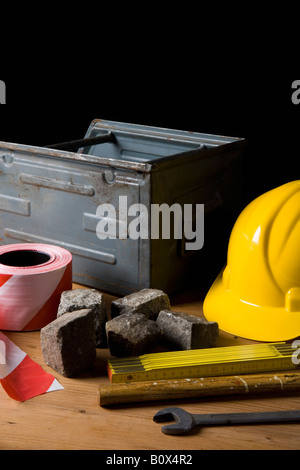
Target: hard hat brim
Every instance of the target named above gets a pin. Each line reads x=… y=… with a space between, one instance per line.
x=240 y=318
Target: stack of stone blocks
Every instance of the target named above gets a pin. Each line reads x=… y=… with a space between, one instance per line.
x=138 y=323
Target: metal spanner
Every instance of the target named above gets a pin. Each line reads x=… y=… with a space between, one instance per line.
x=185 y=421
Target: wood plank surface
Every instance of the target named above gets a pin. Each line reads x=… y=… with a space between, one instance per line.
x=71 y=419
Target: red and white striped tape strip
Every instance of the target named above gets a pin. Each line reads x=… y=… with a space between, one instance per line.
x=32 y=278
x=20 y=376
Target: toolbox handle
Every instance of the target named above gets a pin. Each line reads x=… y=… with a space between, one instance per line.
x=75 y=144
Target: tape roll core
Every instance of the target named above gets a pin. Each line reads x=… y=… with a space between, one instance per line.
x=24 y=258
x=32 y=279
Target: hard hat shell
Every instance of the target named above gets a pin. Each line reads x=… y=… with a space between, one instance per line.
x=257 y=295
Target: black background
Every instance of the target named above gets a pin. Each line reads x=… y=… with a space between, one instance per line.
x=184 y=68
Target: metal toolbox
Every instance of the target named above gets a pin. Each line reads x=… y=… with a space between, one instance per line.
x=52 y=195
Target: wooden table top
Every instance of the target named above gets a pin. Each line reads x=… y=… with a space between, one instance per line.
x=71 y=419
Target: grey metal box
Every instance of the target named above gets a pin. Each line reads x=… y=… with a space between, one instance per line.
x=51 y=196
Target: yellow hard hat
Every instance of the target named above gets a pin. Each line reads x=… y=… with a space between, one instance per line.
x=257 y=295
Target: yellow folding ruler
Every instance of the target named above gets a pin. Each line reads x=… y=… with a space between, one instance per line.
x=228 y=360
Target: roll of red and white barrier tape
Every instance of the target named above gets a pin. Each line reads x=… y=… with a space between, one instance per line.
x=32 y=278
x=20 y=376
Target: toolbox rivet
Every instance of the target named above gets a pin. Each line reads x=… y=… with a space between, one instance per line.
x=7 y=159
x=109 y=176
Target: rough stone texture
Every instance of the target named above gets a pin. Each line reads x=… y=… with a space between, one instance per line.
x=184 y=331
x=149 y=302
x=132 y=334
x=79 y=299
x=68 y=343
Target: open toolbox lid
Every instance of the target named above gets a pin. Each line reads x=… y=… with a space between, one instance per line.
x=134 y=143
x=139 y=143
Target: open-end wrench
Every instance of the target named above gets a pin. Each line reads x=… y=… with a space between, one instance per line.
x=186 y=421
